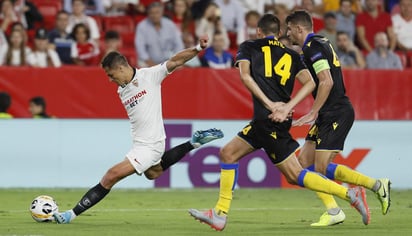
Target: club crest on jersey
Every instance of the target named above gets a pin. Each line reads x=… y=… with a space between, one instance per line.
x=135 y=83
x=316 y=56
x=335 y=125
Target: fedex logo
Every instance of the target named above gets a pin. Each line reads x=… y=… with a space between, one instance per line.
x=255 y=170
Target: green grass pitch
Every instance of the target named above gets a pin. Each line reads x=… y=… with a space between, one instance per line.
x=164 y=212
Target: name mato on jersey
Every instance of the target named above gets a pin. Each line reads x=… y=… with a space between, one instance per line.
x=134 y=100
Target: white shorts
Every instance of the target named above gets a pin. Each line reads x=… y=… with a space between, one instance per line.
x=142 y=156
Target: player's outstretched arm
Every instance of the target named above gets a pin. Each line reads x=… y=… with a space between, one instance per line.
x=324 y=87
x=308 y=85
x=282 y=113
x=185 y=55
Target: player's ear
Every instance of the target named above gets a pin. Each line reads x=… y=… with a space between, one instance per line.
x=299 y=28
x=120 y=68
x=279 y=33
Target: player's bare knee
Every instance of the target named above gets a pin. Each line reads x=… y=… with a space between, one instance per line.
x=226 y=156
x=152 y=175
x=304 y=162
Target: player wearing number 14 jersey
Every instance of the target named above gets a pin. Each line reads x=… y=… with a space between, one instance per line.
x=268 y=70
x=333 y=115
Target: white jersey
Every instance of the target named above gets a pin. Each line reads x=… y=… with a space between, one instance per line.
x=142 y=100
x=403 y=30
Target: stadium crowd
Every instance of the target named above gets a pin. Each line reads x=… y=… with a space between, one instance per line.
x=375 y=34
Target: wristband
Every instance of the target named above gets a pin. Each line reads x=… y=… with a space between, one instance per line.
x=198 y=48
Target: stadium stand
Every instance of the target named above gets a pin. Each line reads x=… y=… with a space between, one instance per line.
x=49 y=9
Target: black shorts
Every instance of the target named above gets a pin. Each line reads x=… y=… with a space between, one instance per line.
x=273 y=137
x=331 y=129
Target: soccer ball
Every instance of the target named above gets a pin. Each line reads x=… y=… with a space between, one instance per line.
x=42 y=208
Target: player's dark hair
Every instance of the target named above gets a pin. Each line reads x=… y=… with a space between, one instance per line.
x=113 y=59
x=285 y=38
x=269 y=24
x=5 y=101
x=302 y=18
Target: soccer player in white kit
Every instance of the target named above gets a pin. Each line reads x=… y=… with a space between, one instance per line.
x=140 y=94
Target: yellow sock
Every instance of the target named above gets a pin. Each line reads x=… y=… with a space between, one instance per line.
x=318 y=183
x=228 y=176
x=328 y=200
x=347 y=175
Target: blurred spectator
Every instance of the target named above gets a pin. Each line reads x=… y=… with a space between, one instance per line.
x=62 y=40
x=315 y=7
x=392 y=6
x=137 y=10
x=198 y=8
x=330 y=28
x=311 y=8
x=372 y=21
x=31 y=14
x=7 y=15
x=289 y=4
x=349 y=55
x=402 y=25
x=281 y=11
x=112 y=42
x=16 y=53
x=157 y=37
x=216 y=56
x=84 y=51
x=19 y=26
x=253 y=5
x=251 y=19
x=92 y=7
x=118 y=7
x=381 y=57
x=335 y=5
x=233 y=18
x=287 y=42
x=346 y=19
x=182 y=17
x=3 y=39
x=5 y=102
x=42 y=55
x=211 y=22
x=78 y=16
x=37 y=107
x=189 y=42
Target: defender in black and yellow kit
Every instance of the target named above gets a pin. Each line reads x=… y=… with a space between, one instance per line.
x=268 y=70
x=333 y=115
